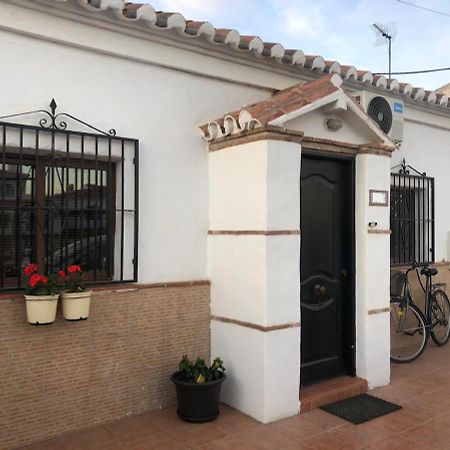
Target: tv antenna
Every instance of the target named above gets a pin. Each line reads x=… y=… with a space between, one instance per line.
x=386 y=32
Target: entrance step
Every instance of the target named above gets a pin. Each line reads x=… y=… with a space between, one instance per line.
x=331 y=391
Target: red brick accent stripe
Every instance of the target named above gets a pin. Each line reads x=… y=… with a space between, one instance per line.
x=266 y=133
x=376 y=231
x=255 y=326
x=379 y=310
x=253 y=232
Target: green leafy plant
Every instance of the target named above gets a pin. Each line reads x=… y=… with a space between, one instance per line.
x=40 y=284
x=198 y=371
x=73 y=279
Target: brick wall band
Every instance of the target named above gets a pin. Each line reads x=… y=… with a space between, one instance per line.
x=70 y=375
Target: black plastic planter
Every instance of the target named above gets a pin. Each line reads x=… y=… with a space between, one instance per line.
x=197 y=402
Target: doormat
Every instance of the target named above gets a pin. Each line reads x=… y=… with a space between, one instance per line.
x=361 y=408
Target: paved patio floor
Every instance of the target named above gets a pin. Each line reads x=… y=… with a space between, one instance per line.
x=422 y=388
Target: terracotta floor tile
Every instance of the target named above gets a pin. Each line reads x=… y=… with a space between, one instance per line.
x=225 y=410
x=297 y=427
x=157 y=441
x=52 y=444
x=90 y=439
x=348 y=392
x=435 y=433
x=305 y=406
x=324 y=419
x=198 y=434
x=419 y=367
x=426 y=438
x=396 y=443
x=422 y=388
x=438 y=399
x=423 y=410
x=324 y=399
x=259 y=438
x=431 y=381
x=233 y=422
x=131 y=428
x=398 y=421
x=350 y=437
x=398 y=392
x=166 y=418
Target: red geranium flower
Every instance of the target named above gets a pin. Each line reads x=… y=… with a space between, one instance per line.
x=62 y=274
x=30 y=269
x=34 y=280
x=74 y=268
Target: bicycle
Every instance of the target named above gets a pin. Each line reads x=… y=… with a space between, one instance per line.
x=410 y=326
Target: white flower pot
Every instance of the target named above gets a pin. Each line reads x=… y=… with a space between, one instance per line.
x=41 y=309
x=75 y=305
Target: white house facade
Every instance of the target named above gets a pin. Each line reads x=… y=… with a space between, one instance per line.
x=239 y=208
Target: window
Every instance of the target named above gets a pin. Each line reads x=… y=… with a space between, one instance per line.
x=412 y=218
x=66 y=198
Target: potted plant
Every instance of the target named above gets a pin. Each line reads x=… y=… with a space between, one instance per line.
x=76 y=298
x=41 y=296
x=198 y=389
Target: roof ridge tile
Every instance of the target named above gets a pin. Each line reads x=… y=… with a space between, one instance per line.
x=254 y=44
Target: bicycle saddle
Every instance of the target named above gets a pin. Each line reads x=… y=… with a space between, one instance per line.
x=429 y=271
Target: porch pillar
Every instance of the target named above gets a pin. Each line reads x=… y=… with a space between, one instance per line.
x=253 y=262
x=372 y=271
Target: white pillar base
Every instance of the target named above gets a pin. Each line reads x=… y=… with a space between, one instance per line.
x=262 y=370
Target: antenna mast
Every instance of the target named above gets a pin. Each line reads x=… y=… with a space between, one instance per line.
x=386 y=32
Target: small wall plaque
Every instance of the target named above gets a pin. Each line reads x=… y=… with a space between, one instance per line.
x=378 y=198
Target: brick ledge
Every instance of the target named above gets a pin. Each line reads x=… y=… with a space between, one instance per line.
x=116 y=287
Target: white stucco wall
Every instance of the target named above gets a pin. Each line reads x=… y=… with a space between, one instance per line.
x=255 y=277
x=116 y=76
x=372 y=272
x=160 y=107
x=312 y=124
x=426 y=147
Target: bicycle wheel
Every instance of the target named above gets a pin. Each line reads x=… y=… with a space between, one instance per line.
x=440 y=312
x=409 y=333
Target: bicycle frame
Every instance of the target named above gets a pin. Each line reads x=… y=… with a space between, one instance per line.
x=427 y=290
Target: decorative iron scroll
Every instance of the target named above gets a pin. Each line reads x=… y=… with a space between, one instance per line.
x=405 y=169
x=53 y=120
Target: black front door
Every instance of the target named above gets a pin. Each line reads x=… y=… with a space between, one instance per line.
x=325 y=266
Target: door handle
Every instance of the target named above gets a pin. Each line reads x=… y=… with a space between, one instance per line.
x=319 y=290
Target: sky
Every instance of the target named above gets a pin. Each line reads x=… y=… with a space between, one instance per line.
x=339 y=30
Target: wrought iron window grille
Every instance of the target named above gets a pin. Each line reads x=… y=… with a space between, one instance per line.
x=412 y=216
x=67 y=196
x=53 y=120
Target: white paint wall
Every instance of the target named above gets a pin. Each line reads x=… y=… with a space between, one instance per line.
x=312 y=124
x=260 y=380
x=146 y=87
x=256 y=278
x=372 y=273
x=427 y=148
x=162 y=108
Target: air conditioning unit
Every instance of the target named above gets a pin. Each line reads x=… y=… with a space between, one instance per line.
x=385 y=111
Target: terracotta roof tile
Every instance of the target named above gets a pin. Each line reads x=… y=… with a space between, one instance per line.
x=280 y=104
x=295 y=59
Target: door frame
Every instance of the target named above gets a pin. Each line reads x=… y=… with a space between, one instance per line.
x=351 y=326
